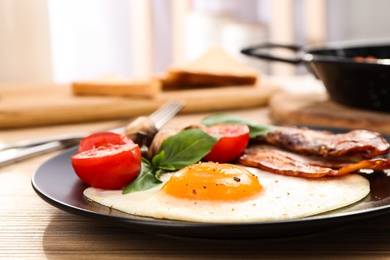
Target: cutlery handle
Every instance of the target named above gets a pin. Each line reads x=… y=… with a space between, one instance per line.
x=71 y=138
x=14 y=155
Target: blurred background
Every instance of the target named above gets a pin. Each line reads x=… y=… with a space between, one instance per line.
x=62 y=41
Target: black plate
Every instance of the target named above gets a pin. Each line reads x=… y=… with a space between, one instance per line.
x=56 y=183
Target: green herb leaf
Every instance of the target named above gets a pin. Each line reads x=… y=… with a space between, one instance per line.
x=148 y=178
x=255 y=128
x=158 y=159
x=176 y=152
x=184 y=148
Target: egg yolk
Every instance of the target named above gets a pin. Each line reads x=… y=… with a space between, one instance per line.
x=213 y=181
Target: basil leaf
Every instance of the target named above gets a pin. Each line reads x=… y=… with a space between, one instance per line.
x=146 y=179
x=158 y=162
x=158 y=159
x=255 y=128
x=185 y=148
x=176 y=152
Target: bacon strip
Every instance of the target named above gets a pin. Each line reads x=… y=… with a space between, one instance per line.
x=285 y=163
x=373 y=164
x=366 y=144
x=279 y=162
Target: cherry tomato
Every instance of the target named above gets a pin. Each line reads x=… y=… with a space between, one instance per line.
x=108 y=167
x=233 y=141
x=102 y=139
x=107 y=160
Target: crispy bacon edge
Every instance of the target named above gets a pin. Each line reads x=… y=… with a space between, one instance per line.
x=280 y=162
x=363 y=143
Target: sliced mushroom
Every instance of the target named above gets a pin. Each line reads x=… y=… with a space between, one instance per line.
x=144 y=133
x=141 y=131
x=193 y=126
x=159 y=138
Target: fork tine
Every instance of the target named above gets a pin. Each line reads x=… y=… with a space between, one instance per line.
x=169 y=108
x=165 y=113
x=160 y=111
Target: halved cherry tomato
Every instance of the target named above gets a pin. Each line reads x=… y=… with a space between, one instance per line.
x=108 y=167
x=107 y=160
x=233 y=141
x=102 y=139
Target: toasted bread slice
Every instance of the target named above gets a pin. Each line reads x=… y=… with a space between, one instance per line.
x=117 y=85
x=214 y=68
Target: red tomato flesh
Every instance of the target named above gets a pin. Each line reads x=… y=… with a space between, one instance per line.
x=234 y=139
x=107 y=160
x=108 y=167
x=102 y=139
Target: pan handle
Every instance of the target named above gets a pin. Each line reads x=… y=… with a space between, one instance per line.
x=253 y=51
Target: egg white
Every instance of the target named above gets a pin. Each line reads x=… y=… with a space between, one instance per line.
x=281 y=198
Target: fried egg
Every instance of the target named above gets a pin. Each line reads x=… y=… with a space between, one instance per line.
x=226 y=193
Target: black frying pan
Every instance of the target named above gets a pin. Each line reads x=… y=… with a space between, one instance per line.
x=354 y=74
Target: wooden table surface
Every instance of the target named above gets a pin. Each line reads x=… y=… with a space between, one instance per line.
x=30 y=228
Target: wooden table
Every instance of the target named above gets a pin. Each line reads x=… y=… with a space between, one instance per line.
x=32 y=229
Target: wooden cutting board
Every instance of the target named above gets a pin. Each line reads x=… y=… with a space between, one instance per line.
x=317 y=109
x=26 y=106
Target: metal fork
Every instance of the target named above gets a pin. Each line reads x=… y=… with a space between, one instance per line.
x=165 y=113
x=18 y=151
